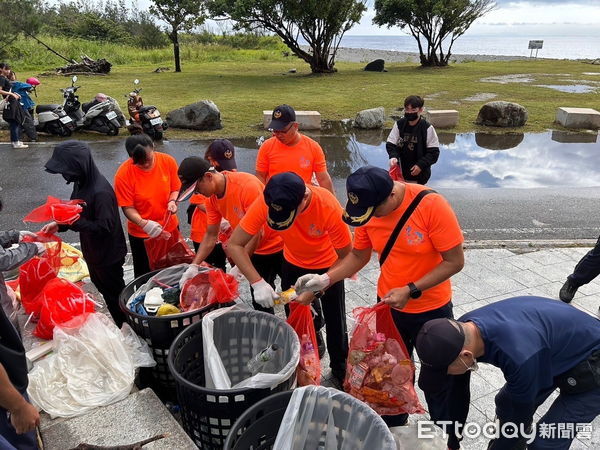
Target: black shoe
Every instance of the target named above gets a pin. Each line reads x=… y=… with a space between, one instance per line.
x=337 y=377
x=320 y=344
x=567 y=292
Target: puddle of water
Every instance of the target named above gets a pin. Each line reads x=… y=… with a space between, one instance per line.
x=572 y=88
x=513 y=78
x=481 y=97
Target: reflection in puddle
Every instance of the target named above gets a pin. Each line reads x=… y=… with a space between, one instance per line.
x=493 y=141
x=570 y=88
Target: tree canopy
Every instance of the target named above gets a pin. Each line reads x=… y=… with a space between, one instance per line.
x=18 y=17
x=321 y=23
x=433 y=23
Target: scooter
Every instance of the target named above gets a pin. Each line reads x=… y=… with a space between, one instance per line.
x=53 y=119
x=98 y=115
x=144 y=119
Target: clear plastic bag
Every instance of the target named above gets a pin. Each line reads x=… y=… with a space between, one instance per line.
x=325 y=418
x=93 y=365
x=235 y=326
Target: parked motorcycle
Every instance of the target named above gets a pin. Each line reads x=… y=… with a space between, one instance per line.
x=101 y=114
x=144 y=119
x=53 y=119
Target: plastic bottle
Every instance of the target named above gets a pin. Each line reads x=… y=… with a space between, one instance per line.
x=258 y=362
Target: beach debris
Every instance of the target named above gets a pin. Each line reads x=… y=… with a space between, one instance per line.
x=161 y=69
x=86 y=66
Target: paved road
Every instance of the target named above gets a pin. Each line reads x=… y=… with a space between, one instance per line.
x=484 y=213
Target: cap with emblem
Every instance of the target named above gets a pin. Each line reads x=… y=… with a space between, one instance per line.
x=223 y=152
x=190 y=171
x=283 y=194
x=281 y=117
x=367 y=188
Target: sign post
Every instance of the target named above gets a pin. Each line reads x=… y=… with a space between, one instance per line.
x=535 y=45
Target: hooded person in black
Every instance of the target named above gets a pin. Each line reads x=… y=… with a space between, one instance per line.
x=100 y=231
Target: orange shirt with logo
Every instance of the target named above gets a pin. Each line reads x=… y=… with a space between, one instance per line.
x=241 y=190
x=199 y=219
x=304 y=158
x=148 y=191
x=431 y=229
x=314 y=236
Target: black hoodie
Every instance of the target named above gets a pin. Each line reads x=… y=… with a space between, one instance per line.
x=100 y=230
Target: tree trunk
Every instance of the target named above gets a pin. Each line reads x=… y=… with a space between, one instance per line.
x=319 y=62
x=175 y=39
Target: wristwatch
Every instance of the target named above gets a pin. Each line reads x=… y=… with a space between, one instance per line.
x=415 y=292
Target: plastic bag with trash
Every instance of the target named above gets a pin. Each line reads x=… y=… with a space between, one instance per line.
x=168 y=249
x=325 y=418
x=93 y=364
x=309 y=368
x=275 y=352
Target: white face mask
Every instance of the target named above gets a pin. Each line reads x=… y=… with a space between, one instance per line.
x=473 y=368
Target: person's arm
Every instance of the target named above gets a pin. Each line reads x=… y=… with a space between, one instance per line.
x=133 y=215
x=452 y=262
x=104 y=221
x=391 y=146
x=324 y=180
x=172 y=202
x=13 y=257
x=24 y=417
x=432 y=149
x=262 y=176
x=13 y=94
x=8 y=238
x=208 y=243
x=236 y=249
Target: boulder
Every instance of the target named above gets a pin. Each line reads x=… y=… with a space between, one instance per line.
x=202 y=115
x=370 y=118
x=502 y=114
x=376 y=66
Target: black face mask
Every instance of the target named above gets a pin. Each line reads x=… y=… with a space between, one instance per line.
x=69 y=178
x=411 y=116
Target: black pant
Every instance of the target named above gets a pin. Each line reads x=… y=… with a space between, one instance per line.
x=331 y=311
x=448 y=402
x=268 y=267
x=588 y=268
x=141 y=265
x=216 y=257
x=109 y=282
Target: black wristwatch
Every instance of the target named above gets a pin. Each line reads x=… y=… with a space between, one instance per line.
x=415 y=292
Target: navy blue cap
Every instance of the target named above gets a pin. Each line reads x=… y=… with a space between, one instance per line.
x=280 y=118
x=438 y=344
x=367 y=188
x=189 y=172
x=223 y=152
x=283 y=194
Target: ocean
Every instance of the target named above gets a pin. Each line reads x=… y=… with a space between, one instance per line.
x=559 y=46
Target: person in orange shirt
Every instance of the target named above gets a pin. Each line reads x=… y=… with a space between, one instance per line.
x=309 y=220
x=415 y=275
x=229 y=195
x=146 y=186
x=289 y=151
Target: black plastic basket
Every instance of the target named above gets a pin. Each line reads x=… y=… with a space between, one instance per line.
x=208 y=414
x=159 y=333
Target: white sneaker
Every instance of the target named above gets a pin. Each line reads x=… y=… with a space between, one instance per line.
x=19 y=145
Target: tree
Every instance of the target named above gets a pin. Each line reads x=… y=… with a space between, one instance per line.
x=435 y=22
x=321 y=23
x=18 y=17
x=181 y=15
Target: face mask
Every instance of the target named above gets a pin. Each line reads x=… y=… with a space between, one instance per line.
x=411 y=116
x=69 y=178
x=473 y=368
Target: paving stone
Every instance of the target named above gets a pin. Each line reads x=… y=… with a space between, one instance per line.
x=528 y=278
x=555 y=272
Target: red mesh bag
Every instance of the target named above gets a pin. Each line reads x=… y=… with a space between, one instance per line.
x=309 y=367
x=209 y=286
x=60 y=302
x=379 y=370
x=396 y=173
x=61 y=211
x=35 y=273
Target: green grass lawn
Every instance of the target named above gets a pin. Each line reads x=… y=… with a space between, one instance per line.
x=243 y=83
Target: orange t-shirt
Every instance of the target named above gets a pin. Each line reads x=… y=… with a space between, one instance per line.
x=148 y=191
x=199 y=219
x=304 y=158
x=314 y=236
x=431 y=229
x=241 y=189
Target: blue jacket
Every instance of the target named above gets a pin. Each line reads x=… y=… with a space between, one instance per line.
x=23 y=90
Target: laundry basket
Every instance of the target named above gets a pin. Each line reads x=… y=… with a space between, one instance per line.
x=353 y=423
x=207 y=413
x=159 y=333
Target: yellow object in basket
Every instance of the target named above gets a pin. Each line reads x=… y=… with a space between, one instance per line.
x=286 y=296
x=167 y=309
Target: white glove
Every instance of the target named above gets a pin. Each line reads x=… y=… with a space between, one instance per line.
x=152 y=228
x=264 y=294
x=24 y=233
x=41 y=248
x=237 y=274
x=189 y=273
x=312 y=282
x=393 y=162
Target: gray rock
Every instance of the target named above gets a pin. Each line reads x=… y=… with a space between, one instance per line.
x=370 y=118
x=502 y=114
x=202 y=115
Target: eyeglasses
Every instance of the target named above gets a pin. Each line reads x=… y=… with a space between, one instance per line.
x=285 y=130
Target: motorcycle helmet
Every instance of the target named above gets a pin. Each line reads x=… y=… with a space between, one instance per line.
x=33 y=81
x=100 y=97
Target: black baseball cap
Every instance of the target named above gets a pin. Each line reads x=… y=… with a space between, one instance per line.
x=438 y=344
x=223 y=152
x=283 y=194
x=367 y=188
x=190 y=171
x=281 y=117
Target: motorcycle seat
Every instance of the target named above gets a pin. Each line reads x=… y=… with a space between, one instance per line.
x=45 y=108
x=146 y=108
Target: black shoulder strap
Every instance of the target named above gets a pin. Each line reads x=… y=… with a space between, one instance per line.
x=392 y=240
